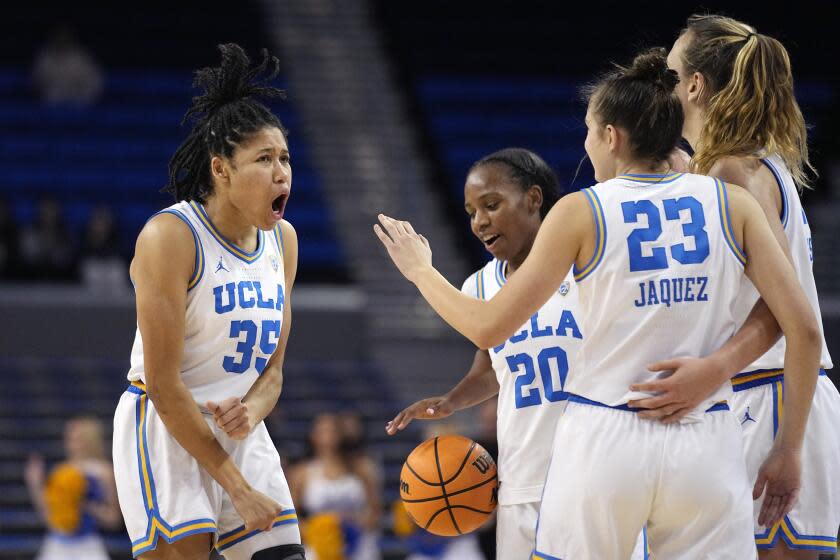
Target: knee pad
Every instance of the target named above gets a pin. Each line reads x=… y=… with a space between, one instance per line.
x=282 y=552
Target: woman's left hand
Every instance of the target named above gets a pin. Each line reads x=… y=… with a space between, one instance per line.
x=232 y=415
x=409 y=250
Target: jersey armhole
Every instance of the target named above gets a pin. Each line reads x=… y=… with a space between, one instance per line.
x=726 y=222
x=600 y=236
x=784 y=215
x=278 y=238
x=198 y=266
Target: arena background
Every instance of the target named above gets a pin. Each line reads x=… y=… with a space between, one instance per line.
x=388 y=105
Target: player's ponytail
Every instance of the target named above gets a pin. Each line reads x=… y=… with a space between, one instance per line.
x=641 y=100
x=227 y=112
x=526 y=169
x=752 y=110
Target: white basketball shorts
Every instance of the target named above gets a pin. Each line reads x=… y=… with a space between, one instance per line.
x=164 y=493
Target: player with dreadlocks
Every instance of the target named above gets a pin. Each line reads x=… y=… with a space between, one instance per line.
x=195 y=466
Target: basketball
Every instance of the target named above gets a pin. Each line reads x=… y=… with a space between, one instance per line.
x=448 y=485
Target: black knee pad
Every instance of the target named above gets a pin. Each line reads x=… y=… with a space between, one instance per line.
x=282 y=552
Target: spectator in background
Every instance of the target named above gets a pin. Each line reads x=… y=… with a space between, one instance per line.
x=8 y=242
x=102 y=267
x=337 y=497
x=46 y=246
x=78 y=496
x=65 y=72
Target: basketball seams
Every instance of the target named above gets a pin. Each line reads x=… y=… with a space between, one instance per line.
x=420 y=478
x=443 y=489
x=457 y=492
x=463 y=464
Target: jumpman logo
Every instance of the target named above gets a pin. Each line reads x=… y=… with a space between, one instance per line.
x=221 y=266
x=747 y=417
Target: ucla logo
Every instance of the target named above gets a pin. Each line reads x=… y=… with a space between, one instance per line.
x=274 y=264
x=564 y=288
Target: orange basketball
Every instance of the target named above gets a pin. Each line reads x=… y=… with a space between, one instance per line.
x=448 y=485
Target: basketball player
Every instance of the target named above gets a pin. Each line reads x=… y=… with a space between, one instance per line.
x=762 y=146
x=659 y=258
x=507 y=194
x=194 y=464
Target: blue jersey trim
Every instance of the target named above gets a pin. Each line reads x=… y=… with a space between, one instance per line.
x=726 y=222
x=479 y=284
x=537 y=555
x=600 y=236
x=198 y=266
x=500 y=273
x=240 y=254
x=794 y=539
x=651 y=179
x=759 y=377
x=785 y=204
x=278 y=238
x=227 y=540
x=571 y=397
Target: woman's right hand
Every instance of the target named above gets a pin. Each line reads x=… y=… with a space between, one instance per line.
x=257 y=510
x=433 y=408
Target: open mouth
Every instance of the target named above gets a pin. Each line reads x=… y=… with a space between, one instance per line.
x=490 y=241
x=278 y=205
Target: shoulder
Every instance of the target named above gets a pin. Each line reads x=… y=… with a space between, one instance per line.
x=743 y=172
x=289 y=246
x=289 y=235
x=166 y=237
x=472 y=285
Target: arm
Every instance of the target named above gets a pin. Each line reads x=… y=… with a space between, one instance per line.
x=772 y=274
x=107 y=512
x=477 y=386
x=367 y=471
x=162 y=266
x=238 y=417
x=559 y=243
x=34 y=475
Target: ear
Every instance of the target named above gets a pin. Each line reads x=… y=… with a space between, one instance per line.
x=534 y=197
x=613 y=138
x=697 y=85
x=219 y=169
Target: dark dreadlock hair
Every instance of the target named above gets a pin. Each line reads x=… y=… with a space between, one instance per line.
x=526 y=169
x=224 y=115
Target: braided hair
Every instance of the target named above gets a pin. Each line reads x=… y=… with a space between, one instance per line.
x=526 y=169
x=227 y=113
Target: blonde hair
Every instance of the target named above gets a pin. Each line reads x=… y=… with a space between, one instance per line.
x=752 y=110
x=92 y=434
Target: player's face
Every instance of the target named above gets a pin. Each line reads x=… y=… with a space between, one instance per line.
x=503 y=216
x=597 y=148
x=261 y=178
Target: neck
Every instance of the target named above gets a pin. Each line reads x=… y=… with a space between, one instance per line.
x=640 y=168
x=692 y=126
x=230 y=222
x=516 y=261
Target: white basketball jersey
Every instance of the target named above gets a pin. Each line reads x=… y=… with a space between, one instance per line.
x=234 y=310
x=798 y=234
x=532 y=367
x=662 y=283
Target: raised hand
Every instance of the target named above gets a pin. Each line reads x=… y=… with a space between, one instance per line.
x=409 y=250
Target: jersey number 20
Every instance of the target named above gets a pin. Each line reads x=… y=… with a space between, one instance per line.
x=525 y=363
